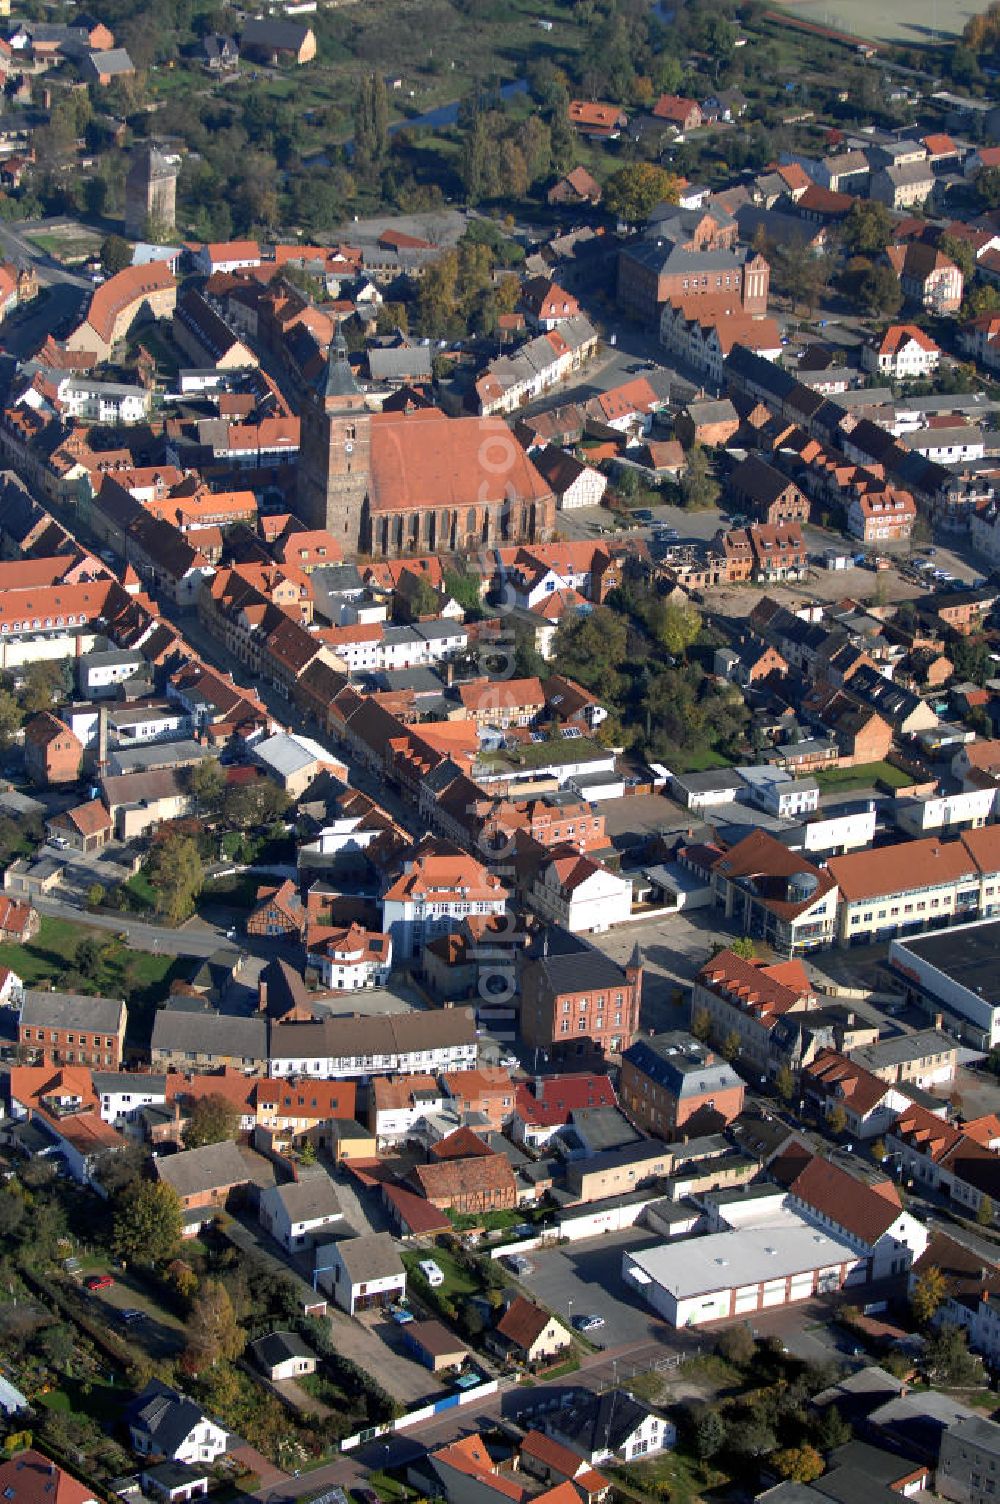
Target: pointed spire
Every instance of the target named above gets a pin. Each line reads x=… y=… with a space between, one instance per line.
x=636 y=958
x=338 y=378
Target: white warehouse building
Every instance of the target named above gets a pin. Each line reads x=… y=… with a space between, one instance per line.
x=737 y=1273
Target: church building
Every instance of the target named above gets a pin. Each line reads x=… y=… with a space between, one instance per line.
x=388 y=484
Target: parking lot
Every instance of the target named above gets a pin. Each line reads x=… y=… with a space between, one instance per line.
x=585 y=1279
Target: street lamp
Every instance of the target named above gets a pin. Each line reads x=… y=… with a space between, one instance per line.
x=569 y=1304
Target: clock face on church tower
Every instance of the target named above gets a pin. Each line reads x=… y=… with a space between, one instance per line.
x=348 y=446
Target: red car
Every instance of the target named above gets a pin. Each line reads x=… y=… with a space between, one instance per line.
x=99 y=1282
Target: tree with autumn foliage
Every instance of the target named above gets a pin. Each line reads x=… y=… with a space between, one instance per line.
x=633 y=191
x=214 y=1334
x=797 y=1464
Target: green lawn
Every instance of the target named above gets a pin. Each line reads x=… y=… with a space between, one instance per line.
x=702 y=760
x=670 y=1475
x=50 y=953
x=74 y=243
x=832 y=780
x=97 y=1398
x=457 y=1279
x=138 y=976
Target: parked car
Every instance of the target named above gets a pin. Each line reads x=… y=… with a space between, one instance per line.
x=99 y=1282
x=588 y=1323
x=400 y=1314
x=519 y=1264
x=431 y=1272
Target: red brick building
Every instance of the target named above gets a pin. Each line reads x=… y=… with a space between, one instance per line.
x=670 y=1083
x=767 y=495
x=577 y=1002
x=52 y=752
x=69 y=1029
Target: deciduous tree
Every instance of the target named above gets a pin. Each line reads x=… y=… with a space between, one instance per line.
x=147 y=1222
x=798 y=1464
x=929 y=1291
x=635 y=189
x=212 y=1120
x=214 y=1334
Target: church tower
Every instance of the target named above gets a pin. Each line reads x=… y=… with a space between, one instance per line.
x=335 y=453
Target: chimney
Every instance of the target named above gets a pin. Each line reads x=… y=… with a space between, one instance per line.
x=938 y=1019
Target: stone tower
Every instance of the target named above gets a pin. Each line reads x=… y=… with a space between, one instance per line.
x=335 y=454
x=150 y=192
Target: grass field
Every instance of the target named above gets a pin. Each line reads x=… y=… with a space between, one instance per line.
x=909 y=22
x=68 y=243
x=835 y=780
x=138 y=976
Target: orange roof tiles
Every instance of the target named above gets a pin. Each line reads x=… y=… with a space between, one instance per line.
x=425 y=459
x=865 y=1210
x=129 y=286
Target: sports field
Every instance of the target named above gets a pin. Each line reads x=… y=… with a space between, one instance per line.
x=905 y=21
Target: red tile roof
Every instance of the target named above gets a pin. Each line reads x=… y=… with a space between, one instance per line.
x=523 y=1322
x=126 y=287
x=865 y=1211
x=551 y=1099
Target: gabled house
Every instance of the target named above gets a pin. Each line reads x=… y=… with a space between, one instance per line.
x=870 y=1217
x=163 y=1422
x=528 y=1333
x=612 y=1425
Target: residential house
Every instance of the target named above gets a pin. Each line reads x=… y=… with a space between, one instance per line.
x=208 y=1041
x=296 y=1215
x=71 y=1029
x=579 y=893
x=546 y=1105
x=881 y=515
x=608 y=1426
x=18 y=921
x=204 y=1180
x=927 y=276
x=474 y=1186
x=577 y=187
x=597 y=120
x=968 y=1460
x=283 y=1355
x=529 y=1334
x=972 y=1289
x=573 y=483
x=362 y=1273
x=487 y=1092
x=273 y=41
x=684 y=114
x=763 y=492
x=380 y=1044
x=163 y=1422
x=279 y=911
x=399 y=1105
x=52 y=753
x=904 y=352
x=903 y=186
x=745 y=999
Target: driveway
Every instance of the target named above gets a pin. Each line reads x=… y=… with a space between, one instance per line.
x=161 y=1334
x=376 y=1345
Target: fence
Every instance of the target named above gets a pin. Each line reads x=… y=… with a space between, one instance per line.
x=426 y=1412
